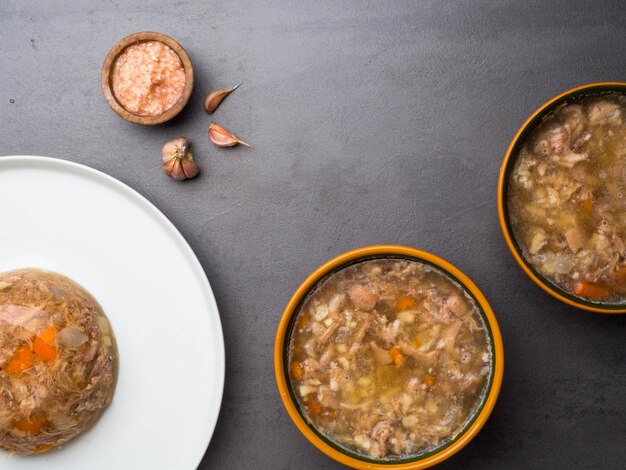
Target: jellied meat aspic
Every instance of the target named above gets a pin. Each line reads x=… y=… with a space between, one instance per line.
x=389 y=358
x=57 y=361
x=567 y=198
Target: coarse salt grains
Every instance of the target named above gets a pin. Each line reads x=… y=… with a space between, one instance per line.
x=148 y=78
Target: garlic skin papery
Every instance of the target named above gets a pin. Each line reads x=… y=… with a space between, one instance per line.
x=178 y=159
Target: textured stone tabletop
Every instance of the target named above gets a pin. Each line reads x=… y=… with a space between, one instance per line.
x=370 y=123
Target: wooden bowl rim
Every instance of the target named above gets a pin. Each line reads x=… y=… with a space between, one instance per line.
x=120 y=47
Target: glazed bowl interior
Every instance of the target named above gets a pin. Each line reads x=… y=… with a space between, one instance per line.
x=594 y=89
x=107 y=78
x=341 y=453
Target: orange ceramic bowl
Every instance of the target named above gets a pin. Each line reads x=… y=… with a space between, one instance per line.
x=505 y=172
x=339 y=453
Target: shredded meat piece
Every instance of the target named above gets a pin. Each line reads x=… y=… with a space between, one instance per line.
x=568 y=158
x=538 y=241
x=380 y=355
x=362 y=297
x=576 y=238
x=454 y=306
x=329 y=332
x=360 y=333
x=603 y=112
x=390 y=331
x=575 y=122
x=426 y=358
x=449 y=334
x=398 y=442
x=327 y=397
x=552 y=141
x=382 y=431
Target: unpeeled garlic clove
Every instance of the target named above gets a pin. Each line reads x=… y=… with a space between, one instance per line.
x=213 y=100
x=223 y=137
x=189 y=167
x=178 y=159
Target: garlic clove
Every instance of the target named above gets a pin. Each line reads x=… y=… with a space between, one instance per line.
x=168 y=166
x=223 y=137
x=190 y=169
x=177 y=170
x=177 y=159
x=213 y=100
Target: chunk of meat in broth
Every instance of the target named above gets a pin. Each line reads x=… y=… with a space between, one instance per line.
x=363 y=297
x=551 y=141
x=575 y=122
x=576 y=238
x=454 y=306
x=603 y=112
x=449 y=335
x=380 y=355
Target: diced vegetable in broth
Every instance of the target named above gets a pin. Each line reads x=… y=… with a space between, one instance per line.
x=399 y=363
x=567 y=198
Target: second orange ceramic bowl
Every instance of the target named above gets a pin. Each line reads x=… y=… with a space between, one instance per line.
x=508 y=163
x=341 y=454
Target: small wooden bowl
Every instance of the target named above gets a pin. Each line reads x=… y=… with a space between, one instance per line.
x=107 y=82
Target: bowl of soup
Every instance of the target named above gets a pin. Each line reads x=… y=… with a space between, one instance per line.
x=562 y=197
x=388 y=357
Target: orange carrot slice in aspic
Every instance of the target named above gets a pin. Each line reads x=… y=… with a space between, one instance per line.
x=45 y=344
x=592 y=291
x=22 y=359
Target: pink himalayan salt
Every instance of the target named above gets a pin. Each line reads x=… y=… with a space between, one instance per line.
x=148 y=78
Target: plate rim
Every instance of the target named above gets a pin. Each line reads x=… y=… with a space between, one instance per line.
x=92 y=173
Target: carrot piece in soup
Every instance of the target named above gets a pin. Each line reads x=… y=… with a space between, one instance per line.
x=429 y=380
x=313 y=406
x=619 y=275
x=396 y=356
x=22 y=359
x=297 y=371
x=44 y=344
x=302 y=321
x=41 y=448
x=586 y=205
x=591 y=291
x=29 y=425
x=406 y=302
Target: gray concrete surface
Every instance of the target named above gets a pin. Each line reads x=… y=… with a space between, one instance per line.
x=381 y=122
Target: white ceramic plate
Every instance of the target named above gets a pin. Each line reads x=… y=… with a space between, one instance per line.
x=82 y=223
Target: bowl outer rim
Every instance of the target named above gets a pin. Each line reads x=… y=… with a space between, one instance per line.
x=502 y=183
x=390 y=250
